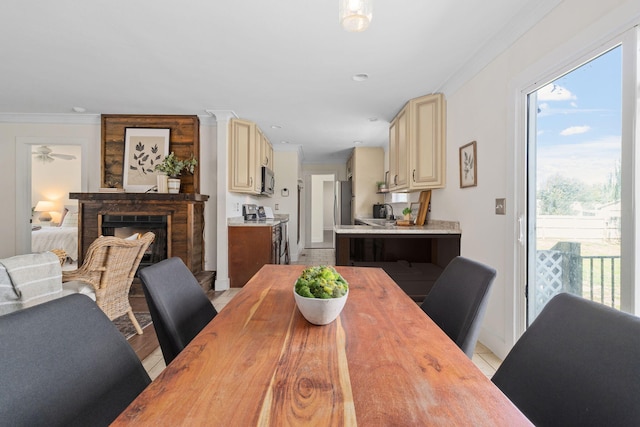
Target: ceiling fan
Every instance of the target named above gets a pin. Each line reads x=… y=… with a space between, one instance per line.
x=46 y=155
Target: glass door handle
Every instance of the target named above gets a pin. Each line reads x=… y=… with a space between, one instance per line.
x=521 y=230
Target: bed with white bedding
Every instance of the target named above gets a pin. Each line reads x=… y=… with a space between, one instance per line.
x=47 y=238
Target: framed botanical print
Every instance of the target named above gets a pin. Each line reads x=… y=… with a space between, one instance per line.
x=468 y=165
x=143 y=150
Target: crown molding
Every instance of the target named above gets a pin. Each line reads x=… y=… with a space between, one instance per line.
x=207 y=120
x=75 y=118
x=222 y=115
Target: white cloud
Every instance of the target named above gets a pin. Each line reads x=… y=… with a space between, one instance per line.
x=573 y=104
x=575 y=130
x=553 y=92
x=590 y=161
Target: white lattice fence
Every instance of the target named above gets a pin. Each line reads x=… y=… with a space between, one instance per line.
x=548 y=278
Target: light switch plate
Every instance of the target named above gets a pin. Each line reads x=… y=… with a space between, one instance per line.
x=501 y=206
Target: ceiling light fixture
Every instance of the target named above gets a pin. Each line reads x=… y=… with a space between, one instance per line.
x=355 y=15
x=360 y=77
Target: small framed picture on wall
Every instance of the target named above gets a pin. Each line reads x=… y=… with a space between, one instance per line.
x=468 y=165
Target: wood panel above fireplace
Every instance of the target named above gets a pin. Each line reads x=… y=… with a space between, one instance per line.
x=184 y=140
x=184 y=214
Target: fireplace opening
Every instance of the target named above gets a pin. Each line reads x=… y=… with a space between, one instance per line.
x=125 y=226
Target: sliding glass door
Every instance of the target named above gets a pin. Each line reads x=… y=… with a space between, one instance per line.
x=575 y=178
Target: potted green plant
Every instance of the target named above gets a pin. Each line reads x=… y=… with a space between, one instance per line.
x=172 y=167
x=407 y=213
x=382 y=187
x=320 y=293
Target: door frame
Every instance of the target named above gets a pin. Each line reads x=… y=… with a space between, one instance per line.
x=565 y=58
x=24 y=147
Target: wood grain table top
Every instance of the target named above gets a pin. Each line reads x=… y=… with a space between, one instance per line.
x=383 y=362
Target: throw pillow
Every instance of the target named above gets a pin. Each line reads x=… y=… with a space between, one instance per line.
x=70 y=219
x=63 y=213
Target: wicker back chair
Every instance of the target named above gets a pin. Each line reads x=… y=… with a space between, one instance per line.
x=109 y=266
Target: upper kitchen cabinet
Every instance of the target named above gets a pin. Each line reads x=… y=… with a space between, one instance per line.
x=367 y=165
x=249 y=151
x=266 y=150
x=417 y=145
x=399 y=151
x=244 y=150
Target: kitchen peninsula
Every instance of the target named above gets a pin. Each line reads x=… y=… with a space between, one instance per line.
x=414 y=256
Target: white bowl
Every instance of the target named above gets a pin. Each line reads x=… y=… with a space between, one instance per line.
x=320 y=311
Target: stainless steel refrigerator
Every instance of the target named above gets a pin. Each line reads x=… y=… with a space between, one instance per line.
x=342 y=203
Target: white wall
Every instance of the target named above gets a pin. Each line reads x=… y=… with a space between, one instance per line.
x=482 y=110
x=287 y=172
x=208 y=185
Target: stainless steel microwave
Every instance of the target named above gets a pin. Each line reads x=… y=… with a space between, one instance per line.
x=268 y=181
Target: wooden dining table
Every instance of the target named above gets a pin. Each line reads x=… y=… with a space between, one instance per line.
x=382 y=362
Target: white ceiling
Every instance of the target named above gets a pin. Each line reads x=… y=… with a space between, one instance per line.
x=275 y=62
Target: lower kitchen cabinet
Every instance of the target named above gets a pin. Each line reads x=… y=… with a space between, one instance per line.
x=251 y=247
x=414 y=261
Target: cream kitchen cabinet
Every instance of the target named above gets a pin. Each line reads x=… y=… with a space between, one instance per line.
x=266 y=150
x=399 y=152
x=244 y=174
x=249 y=150
x=417 y=145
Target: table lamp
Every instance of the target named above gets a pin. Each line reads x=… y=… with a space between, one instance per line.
x=44 y=206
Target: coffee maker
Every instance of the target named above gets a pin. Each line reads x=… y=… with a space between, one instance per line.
x=379 y=210
x=250 y=212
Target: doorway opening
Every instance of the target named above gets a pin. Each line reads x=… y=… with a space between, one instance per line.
x=56 y=171
x=321 y=203
x=25 y=198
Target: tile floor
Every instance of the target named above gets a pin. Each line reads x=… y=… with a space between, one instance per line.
x=484 y=359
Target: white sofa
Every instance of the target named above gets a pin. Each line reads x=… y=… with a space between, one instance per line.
x=31 y=279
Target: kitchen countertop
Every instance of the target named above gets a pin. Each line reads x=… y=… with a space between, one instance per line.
x=373 y=227
x=240 y=221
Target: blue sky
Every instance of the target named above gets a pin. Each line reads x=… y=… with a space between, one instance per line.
x=579 y=121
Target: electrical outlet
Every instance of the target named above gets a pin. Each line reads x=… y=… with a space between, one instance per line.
x=501 y=206
x=277 y=206
x=237 y=207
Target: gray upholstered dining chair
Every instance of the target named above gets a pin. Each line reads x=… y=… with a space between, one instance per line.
x=64 y=363
x=458 y=300
x=578 y=364
x=179 y=307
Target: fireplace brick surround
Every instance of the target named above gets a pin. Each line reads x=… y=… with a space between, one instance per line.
x=184 y=222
